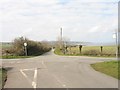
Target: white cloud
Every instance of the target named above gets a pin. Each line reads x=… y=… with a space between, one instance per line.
x=94 y=29
x=41 y=19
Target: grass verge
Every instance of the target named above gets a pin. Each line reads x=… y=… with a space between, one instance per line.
x=59 y=52
x=110 y=68
x=3 y=77
x=15 y=57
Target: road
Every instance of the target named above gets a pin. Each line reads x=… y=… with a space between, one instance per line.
x=53 y=71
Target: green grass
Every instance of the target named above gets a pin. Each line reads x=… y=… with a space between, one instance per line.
x=6 y=45
x=15 y=57
x=109 y=68
x=58 y=51
x=3 y=76
x=108 y=51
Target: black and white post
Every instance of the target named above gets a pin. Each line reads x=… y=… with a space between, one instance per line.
x=25 y=45
x=116 y=41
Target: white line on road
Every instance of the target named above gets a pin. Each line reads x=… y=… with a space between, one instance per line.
x=34 y=83
x=28 y=69
x=25 y=75
x=54 y=76
x=59 y=81
x=43 y=64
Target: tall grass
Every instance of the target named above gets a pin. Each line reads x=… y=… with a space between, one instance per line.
x=91 y=51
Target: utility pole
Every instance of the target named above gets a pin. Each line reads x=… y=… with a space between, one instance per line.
x=25 y=45
x=115 y=36
x=61 y=34
x=61 y=42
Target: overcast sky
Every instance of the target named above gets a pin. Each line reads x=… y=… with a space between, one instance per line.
x=81 y=20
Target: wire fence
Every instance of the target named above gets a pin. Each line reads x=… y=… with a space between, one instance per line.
x=91 y=50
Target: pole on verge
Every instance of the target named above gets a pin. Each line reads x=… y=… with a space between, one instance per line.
x=25 y=44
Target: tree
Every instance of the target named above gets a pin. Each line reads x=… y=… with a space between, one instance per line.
x=33 y=47
x=62 y=45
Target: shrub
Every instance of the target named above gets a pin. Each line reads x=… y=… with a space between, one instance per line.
x=33 y=48
x=91 y=52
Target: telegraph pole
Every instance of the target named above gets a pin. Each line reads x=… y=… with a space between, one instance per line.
x=61 y=39
x=61 y=34
x=115 y=36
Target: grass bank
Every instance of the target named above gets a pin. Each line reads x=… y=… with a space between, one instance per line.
x=94 y=51
x=110 y=68
x=15 y=57
x=3 y=77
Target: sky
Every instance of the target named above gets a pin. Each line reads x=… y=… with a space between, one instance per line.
x=41 y=20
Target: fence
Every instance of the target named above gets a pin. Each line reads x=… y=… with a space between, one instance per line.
x=91 y=50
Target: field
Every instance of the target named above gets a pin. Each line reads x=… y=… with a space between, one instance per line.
x=5 y=45
x=90 y=51
x=107 y=51
x=110 y=68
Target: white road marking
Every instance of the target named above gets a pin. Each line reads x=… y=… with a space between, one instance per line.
x=59 y=81
x=34 y=82
x=12 y=62
x=43 y=64
x=25 y=75
x=28 y=69
x=54 y=76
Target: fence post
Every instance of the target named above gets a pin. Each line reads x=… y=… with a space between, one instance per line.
x=80 y=48
x=101 y=49
x=70 y=49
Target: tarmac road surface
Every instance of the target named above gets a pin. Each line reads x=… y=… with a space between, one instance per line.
x=53 y=71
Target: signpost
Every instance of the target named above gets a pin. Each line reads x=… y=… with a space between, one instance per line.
x=25 y=44
x=115 y=37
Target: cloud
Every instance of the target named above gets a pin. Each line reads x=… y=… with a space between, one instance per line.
x=42 y=19
x=94 y=29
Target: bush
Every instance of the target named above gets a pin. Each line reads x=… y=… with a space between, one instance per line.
x=33 y=48
x=91 y=52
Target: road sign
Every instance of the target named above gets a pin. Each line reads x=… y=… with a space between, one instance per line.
x=25 y=44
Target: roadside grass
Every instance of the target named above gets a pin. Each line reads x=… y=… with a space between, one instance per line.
x=58 y=51
x=94 y=51
x=14 y=57
x=3 y=77
x=107 y=50
x=110 y=68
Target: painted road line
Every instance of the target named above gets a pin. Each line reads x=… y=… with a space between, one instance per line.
x=34 y=83
x=44 y=64
x=63 y=85
x=28 y=69
x=25 y=76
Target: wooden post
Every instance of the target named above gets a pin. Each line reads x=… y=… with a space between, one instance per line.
x=80 y=48
x=101 y=49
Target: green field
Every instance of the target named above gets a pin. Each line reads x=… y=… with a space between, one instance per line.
x=110 y=68
x=6 y=45
x=89 y=51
